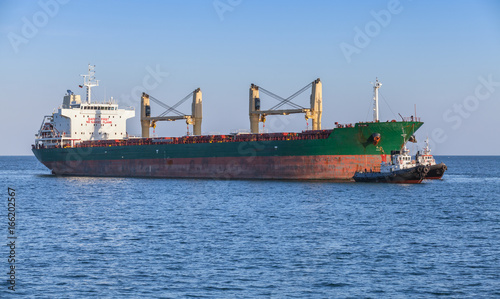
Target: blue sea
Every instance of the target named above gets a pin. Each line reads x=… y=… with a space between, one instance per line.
x=80 y=237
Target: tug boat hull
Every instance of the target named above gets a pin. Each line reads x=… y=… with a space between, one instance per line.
x=436 y=171
x=413 y=175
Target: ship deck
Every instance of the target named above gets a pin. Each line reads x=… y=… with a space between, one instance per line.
x=246 y=137
x=305 y=135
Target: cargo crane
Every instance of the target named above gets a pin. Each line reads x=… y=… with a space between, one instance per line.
x=314 y=112
x=147 y=121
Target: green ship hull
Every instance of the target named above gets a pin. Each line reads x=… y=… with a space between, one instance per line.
x=333 y=154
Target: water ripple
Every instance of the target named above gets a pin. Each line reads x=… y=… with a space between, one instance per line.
x=129 y=237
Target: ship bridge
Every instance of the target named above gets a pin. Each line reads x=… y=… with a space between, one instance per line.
x=76 y=121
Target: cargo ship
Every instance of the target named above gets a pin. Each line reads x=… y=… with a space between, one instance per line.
x=86 y=138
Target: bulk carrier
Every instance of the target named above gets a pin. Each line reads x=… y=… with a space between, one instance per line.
x=86 y=138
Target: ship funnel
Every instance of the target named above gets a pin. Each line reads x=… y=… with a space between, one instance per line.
x=71 y=99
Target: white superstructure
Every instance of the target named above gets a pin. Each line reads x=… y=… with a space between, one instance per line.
x=399 y=160
x=76 y=121
x=425 y=157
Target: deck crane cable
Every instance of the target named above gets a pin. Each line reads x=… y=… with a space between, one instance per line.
x=369 y=109
x=294 y=95
x=395 y=116
x=178 y=104
x=287 y=100
x=165 y=105
x=277 y=97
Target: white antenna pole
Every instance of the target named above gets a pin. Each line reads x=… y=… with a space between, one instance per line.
x=376 y=86
x=89 y=81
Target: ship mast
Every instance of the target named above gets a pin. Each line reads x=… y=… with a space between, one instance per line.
x=427 y=150
x=376 y=86
x=89 y=81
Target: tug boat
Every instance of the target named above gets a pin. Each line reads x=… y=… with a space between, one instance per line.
x=401 y=169
x=436 y=171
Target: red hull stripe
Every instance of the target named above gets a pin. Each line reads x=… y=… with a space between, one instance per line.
x=258 y=167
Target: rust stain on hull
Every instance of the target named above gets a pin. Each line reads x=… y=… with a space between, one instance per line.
x=321 y=167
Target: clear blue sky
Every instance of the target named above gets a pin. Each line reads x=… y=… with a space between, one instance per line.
x=436 y=54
